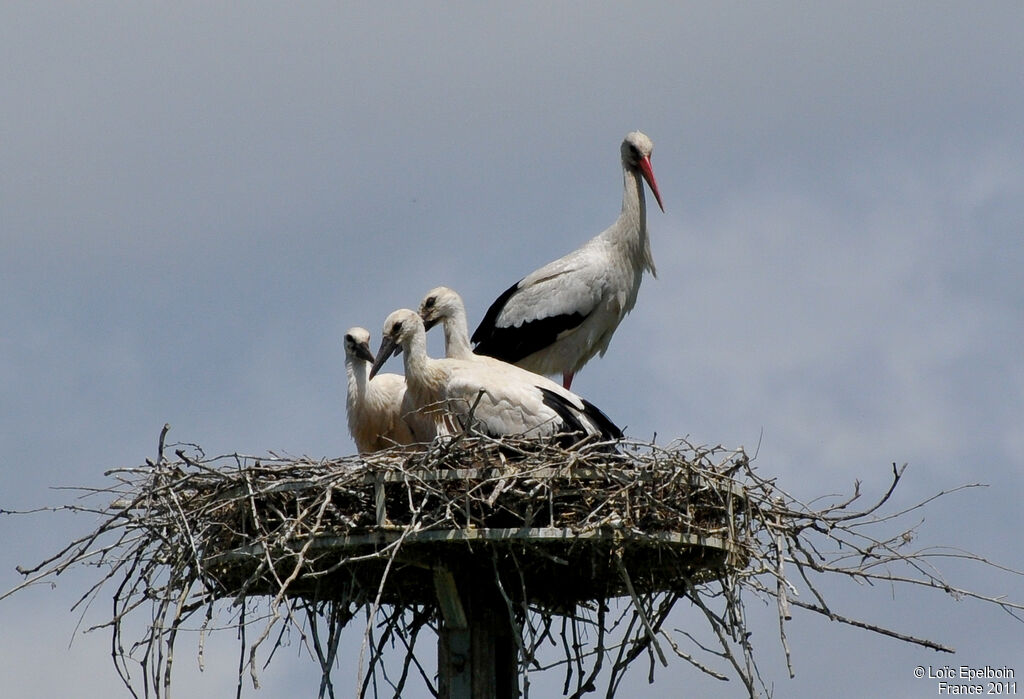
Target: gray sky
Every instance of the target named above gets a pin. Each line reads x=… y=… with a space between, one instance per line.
x=198 y=200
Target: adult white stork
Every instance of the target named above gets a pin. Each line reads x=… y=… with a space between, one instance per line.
x=380 y=413
x=507 y=400
x=557 y=318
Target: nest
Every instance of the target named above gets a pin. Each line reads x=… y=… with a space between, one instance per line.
x=587 y=550
x=556 y=527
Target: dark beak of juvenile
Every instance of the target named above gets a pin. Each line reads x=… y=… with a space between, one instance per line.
x=388 y=348
x=363 y=352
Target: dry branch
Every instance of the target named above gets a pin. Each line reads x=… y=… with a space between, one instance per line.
x=589 y=549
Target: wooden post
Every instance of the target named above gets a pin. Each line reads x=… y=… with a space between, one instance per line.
x=379 y=499
x=476 y=651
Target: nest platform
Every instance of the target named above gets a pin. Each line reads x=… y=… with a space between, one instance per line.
x=553 y=537
x=510 y=553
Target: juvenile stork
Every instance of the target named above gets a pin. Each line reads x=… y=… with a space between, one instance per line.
x=507 y=400
x=443 y=305
x=556 y=319
x=380 y=413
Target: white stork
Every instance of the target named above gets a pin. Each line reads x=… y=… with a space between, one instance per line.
x=445 y=306
x=507 y=400
x=380 y=413
x=557 y=318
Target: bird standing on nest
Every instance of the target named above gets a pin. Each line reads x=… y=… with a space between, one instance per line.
x=380 y=413
x=500 y=398
x=556 y=319
x=443 y=305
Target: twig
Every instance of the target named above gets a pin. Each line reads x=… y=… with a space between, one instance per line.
x=290 y=543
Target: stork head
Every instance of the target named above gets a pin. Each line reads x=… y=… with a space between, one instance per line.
x=440 y=303
x=357 y=344
x=636 y=155
x=399 y=330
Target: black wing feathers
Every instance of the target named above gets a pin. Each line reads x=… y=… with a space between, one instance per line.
x=571 y=417
x=565 y=410
x=512 y=343
x=486 y=327
x=609 y=430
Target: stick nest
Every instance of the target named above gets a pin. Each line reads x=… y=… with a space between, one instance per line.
x=589 y=548
x=554 y=525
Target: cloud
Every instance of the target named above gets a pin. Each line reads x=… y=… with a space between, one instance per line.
x=834 y=322
x=197 y=203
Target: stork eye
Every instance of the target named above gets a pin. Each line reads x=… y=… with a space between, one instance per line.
x=429 y=303
x=396 y=329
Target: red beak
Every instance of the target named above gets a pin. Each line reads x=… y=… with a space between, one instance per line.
x=648 y=172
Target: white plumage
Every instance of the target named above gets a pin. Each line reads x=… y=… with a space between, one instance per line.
x=512 y=402
x=556 y=319
x=443 y=305
x=380 y=414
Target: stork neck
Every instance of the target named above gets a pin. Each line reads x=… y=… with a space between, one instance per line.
x=630 y=230
x=358 y=371
x=631 y=225
x=456 y=335
x=421 y=376
x=634 y=205
x=414 y=353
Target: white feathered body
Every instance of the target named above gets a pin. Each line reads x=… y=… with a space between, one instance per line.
x=600 y=281
x=512 y=401
x=376 y=409
x=560 y=316
x=381 y=413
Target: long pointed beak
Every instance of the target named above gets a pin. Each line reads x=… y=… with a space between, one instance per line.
x=648 y=172
x=363 y=352
x=388 y=348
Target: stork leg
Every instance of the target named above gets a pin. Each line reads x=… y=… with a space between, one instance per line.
x=567 y=379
